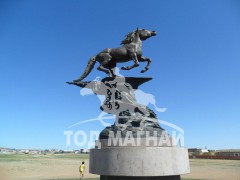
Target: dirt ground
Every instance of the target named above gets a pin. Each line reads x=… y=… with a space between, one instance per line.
x=42 y=167
x=213 y=169
x=45 y=167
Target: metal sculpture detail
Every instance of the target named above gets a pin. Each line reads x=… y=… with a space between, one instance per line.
x=131 y=50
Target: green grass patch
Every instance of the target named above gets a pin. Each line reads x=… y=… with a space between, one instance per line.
x=71 y=156
x=25 y=157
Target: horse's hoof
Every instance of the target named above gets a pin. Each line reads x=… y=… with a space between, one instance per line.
x=124 y=68
x=143 y=71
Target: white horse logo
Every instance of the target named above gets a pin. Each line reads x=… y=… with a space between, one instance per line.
x=146 y=99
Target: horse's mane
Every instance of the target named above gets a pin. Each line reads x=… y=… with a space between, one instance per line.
x=129 y=38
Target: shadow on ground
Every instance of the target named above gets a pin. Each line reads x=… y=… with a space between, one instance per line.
x=99 y=179
x=75 y=179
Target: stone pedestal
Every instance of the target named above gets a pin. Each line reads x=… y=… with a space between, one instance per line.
x=140 y=163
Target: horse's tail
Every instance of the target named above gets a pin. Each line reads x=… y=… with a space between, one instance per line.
x=88 y=69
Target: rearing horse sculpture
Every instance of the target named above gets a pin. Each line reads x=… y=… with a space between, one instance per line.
x=131 y=50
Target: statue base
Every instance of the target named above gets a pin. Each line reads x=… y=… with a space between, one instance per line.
x=140 y=163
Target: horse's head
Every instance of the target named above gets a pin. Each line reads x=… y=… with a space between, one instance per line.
x=143 y=34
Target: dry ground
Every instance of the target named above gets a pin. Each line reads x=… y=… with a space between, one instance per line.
x=42 y=166
x=214 y=169
x=50 y=166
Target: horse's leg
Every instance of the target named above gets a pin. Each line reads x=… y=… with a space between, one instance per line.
x=101 y=68
x=136 y=63
x=106 y=63
x=143 y=59
x=111 y=67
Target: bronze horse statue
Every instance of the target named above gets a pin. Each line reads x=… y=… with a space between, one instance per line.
x=131 y=50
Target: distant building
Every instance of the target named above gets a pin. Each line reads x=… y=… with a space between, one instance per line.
x=77 y=152
x=85 y=151
x=34 y=151
x=8 y=151
x=228 y=152
x=2 y=150
x=204 y=150
x=196 y=151
x=68 y=151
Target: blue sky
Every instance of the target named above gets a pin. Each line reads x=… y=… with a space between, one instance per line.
x=195 y=66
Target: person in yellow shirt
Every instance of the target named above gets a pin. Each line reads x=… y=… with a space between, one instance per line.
x=82 y=170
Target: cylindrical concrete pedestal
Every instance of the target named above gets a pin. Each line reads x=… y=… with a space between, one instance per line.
x=138 y=162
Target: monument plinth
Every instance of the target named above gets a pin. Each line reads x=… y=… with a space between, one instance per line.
x=135 y=147
x=155 y=163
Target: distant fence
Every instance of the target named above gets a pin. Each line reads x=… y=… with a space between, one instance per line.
x=215 y=157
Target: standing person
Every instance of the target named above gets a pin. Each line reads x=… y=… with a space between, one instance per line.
x=82 y=170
